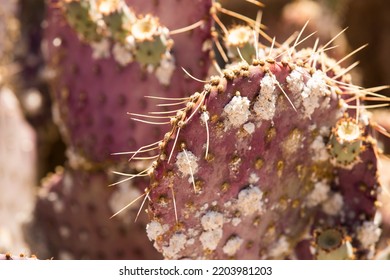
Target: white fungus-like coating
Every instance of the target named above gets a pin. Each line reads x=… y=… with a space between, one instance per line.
x=212 y=220
x=212 y=223
x=154 y=229
x=165 y=70
x=265 y=104
x=122 y=55
x=204 y=207
x=333 y=205
x=280 y=248
x=205 y=116
x=232 y=245
x=192 y=232
x=268 y=85
x=187 y=163
x=295 y=81
x=249 y=127
x=318 y=195
x=314 y=90
x=319 y=150
x=253 y=178
x=250 y=201
x=100 y=49
x=176 y=243
x=368 y=234
x=236 y=112
x=191 y=241
x=211 y=238
x=292 y=143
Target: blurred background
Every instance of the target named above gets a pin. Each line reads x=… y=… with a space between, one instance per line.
x=31 y=146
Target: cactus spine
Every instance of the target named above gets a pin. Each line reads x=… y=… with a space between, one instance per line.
x=246 y=170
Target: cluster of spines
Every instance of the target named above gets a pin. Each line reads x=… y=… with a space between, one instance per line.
x=102 y=91
x=197 y=105
x=346 y=136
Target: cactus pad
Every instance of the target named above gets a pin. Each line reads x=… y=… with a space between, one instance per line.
x=97 y=82
x=74 y=211
x=246 y=170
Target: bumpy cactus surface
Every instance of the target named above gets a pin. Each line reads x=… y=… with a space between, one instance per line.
x=98 y=79
x=268 y=161
x=266 y=152
x=75 y=209
x=105 y=57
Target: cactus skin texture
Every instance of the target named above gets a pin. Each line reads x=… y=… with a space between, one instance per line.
x=245 y=175
x=75 y=209
x=269 y=161
x=93 y=91
x=101 y=71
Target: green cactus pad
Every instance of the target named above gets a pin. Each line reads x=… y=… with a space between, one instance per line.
x=78 y=14
x=346 y=142
x=331 y=244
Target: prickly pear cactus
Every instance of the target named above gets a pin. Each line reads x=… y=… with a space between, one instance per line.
x=75 y=209
x=106 y=56
x=273 y=159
